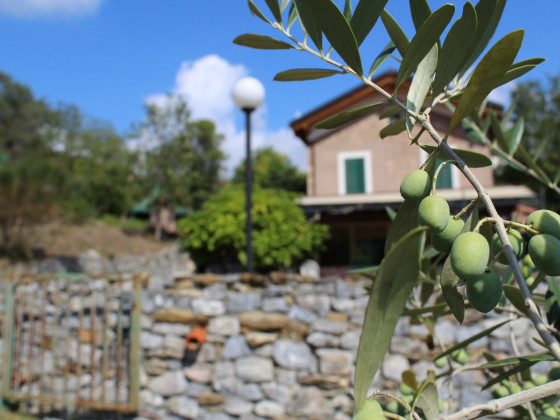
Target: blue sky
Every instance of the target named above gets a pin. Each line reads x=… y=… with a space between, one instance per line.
x=110 y=56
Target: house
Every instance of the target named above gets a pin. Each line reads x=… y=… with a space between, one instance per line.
x=353 y=175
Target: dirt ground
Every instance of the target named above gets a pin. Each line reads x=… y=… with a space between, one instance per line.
x=58 y=239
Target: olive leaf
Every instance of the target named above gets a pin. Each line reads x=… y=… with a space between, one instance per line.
x=489 y=13
x=427 y=399
x=420 y=11
x=405 y=220
x=275 y=9
x=365 y=17
x=380 y=59
x=508 y=374
x=261 y=42
x=514 y=295
x=393 y=129
x=423 y=41
x=309 y=23
x=337 y=30
x=393 y=284
x=420 y=86
x=255 y=11
x=487 y=75
x=472 y=159
x=519 y=69
x=515 y=136
x=454 y=50
x=304 y=74
x=395 y=32
x=449 y=281
x=347 y=116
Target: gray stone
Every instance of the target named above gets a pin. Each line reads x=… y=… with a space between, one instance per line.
x=237 y=406
x=207 y=353
x=229 y=385
x=199 y=373
x=329 y=326
x=208 y=307
x=269 y=409
x=254 y=369
x=169 y=384
x=223 y=369
x=174 y=342
x=280 y=393
x=171 y=328
x=297 y=313
x=264 y=351
x=311 y=402
x=343 y=304
x=210 y=415
x=445 y=331
x=150 y=340
x=276 y=304
x=320 y=339
x=286 y=377
x=196 y=389
x=243 y=302
x=251 y=392
x=217 y=291
x=335 y=362
x=224 y=325
x=393 y=366
x=350 y=339
x=183 y=407
x=235 y=348
x=320 y=304
x=291 y=354
x=148 y=397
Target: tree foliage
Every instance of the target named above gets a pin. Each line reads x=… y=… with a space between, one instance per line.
x=537 y=105
x=182 y=157
x=281 y=233
x=274 y=170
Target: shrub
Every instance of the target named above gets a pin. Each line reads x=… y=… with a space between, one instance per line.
x=281 y=234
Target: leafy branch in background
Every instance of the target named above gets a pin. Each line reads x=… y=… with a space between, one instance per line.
x=441 y=76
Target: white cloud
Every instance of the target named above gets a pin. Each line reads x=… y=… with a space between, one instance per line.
x=206 y=84
x=49 y=8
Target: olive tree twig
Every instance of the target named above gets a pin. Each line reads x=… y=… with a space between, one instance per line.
x=501 y=404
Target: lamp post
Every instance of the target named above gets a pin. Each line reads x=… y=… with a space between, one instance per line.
x=248 y=94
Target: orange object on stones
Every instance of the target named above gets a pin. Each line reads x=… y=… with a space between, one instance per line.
x=195 y=339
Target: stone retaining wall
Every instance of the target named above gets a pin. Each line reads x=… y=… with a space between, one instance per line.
x=280 y=346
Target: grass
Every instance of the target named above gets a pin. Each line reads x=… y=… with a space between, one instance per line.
x=131 y=224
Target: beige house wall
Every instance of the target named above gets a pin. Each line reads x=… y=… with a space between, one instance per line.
x=391 y=159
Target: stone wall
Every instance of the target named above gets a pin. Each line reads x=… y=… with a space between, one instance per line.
x=279 y=346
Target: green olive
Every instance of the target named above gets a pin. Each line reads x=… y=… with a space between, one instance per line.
x=460 y=356
x=442 y=241
x=469 y=255
x=416 y=185
x=517 y=245
x=485 y=291
x=544 y=221
x=433 y=212
x=544 y=250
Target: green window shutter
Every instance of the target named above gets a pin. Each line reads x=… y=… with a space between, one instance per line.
x=444 y=179
x=355 y=176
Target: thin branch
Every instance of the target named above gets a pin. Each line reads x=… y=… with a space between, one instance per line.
x=501 y=404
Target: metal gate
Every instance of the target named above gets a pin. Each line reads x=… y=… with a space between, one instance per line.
x=70 y=340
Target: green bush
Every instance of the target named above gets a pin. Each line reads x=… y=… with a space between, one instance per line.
x=281 y=234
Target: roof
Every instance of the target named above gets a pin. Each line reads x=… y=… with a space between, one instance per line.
x=501 y=194
x=304 y=124
x=144 y=206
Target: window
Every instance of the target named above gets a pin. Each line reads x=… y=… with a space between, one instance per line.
x=445 y=177
x=354 y=172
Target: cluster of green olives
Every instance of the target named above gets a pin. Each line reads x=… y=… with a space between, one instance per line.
x=470 y=252
x=544 y=408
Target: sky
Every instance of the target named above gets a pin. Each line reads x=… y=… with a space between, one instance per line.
x=111 y=57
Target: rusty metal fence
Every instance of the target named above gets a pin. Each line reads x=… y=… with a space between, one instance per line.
x=72 y=341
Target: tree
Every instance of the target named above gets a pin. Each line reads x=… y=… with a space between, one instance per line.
x=182 y=157
x=274 y=170
x=537 y=106
x=281 y=233
x=407 y=282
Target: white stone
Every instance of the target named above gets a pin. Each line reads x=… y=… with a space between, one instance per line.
x=270 y=409
x=224 y=325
